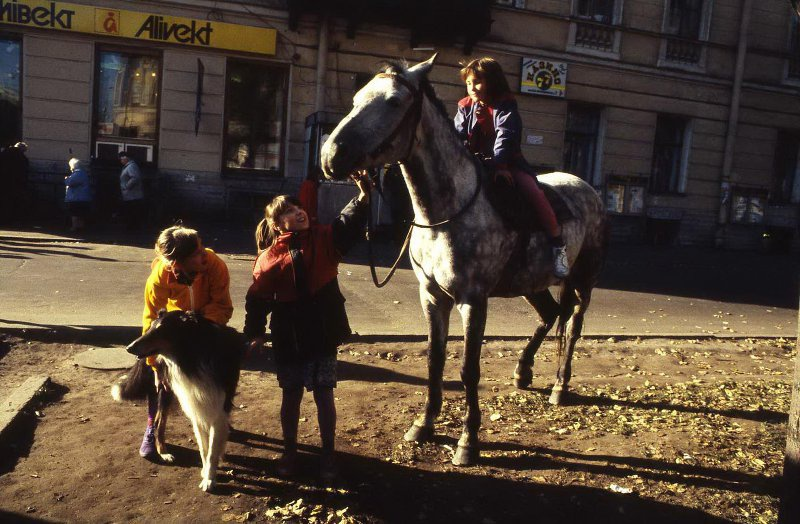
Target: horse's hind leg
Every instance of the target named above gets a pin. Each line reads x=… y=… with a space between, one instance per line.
x=573 y=333
x=437 y=312
x=547 y=309
x=473 y=315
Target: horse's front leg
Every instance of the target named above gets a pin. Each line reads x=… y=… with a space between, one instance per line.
x=473 y=315
x=437 y=312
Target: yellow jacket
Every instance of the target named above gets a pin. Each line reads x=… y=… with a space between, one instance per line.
x=209 y=294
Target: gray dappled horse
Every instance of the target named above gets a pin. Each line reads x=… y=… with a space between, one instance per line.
x=466 y=256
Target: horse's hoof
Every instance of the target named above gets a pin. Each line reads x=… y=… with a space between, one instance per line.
x=466 y=456
x=418 y=433
x=523 y=377
x=557 y=395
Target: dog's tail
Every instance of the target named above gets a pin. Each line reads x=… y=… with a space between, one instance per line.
x=136 y=384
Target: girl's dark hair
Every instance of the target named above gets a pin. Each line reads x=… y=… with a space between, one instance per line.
x=489 y=70
x=265 y=230
x=177 y=243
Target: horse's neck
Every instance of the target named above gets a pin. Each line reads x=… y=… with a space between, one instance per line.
x=441 y=178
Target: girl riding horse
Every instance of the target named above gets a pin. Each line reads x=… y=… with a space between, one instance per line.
x=489 y=123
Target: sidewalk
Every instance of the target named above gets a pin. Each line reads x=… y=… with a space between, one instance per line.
x=57 y=282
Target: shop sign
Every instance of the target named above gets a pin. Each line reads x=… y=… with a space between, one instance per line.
x=151 y=27
x=543 y=77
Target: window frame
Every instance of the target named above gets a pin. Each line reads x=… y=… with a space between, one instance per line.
x=685 y=155
x=702 y=38
x=250 y=173
x=784 y=136
x=18 y=37
x=124 y=142
x=595 y=176
x=615 y=25
x=792 y=55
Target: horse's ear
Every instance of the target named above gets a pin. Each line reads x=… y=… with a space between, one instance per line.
x=423 y=68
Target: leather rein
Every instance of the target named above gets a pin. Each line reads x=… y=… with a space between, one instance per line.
x=414 y=112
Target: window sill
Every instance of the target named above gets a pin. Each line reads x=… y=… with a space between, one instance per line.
x=249 y=174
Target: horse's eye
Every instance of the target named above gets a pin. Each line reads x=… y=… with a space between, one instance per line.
x=393 y=102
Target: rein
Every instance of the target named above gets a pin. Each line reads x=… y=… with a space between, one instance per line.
x=416 y=111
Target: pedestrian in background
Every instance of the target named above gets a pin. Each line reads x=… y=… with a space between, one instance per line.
x=131 y=187
x=78 y=195
x=14 y=183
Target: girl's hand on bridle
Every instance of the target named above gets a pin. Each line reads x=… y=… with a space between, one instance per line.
x=505 y=175
x=364 y=184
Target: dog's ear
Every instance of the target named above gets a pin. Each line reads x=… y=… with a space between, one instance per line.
x=162 y=312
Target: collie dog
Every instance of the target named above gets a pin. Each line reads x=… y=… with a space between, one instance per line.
x=198 y=362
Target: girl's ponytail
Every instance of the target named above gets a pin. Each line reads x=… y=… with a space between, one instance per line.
x=264 y=235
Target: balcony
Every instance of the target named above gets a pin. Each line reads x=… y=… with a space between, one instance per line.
x=680 y=51
x=594 y=36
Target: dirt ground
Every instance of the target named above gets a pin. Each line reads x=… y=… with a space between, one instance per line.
x=657 y=430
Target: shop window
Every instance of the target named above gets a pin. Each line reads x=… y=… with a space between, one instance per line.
x=747 y=205
x=255 y=115
x=126 y=105
x=670 y=155
x=10 y=92
x=581 y=151
x=686 y=24
x=786 y=174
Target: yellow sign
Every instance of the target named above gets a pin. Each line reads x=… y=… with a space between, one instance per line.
x=140 y=26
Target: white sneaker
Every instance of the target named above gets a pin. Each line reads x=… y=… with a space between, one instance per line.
x=560 y=262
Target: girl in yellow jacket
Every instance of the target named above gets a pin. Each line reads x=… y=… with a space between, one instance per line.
x=185 y=276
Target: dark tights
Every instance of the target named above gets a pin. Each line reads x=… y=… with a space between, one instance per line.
x=326 y=417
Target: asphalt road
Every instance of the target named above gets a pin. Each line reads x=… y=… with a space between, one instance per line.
x=53 y=282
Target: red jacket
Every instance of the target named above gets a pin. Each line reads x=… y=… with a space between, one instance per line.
x=273 y=276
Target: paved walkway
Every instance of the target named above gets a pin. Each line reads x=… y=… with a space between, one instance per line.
x=52 y=281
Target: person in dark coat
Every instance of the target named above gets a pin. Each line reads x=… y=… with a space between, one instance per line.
x=14 y=169
x=295 y=281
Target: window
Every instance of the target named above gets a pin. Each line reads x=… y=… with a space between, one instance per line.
x=786 y=176
x=793 y=61
x=10 y=87
x=670 y=155
x=581 y=152
x=687 y=23
x=126 y=105
x=592 y=30
x=683 y=18
x=597 y=10
x=255 y=114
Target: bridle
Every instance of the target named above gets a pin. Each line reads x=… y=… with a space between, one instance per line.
x=414 y=113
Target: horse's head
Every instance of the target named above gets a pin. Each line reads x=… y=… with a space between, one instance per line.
x=381 y=126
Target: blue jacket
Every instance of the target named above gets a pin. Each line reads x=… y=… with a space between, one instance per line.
x=78 y=187
x=501 y=144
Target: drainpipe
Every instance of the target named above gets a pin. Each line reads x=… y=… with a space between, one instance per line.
x=322 y=64
x=733 y=121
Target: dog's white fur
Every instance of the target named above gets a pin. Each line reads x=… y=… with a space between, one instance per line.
x=202 y=401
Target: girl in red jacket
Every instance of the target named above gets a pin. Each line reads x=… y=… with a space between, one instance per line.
x=488 y=121
x=295 y=281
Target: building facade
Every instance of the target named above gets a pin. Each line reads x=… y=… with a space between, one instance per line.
x=683 y=114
